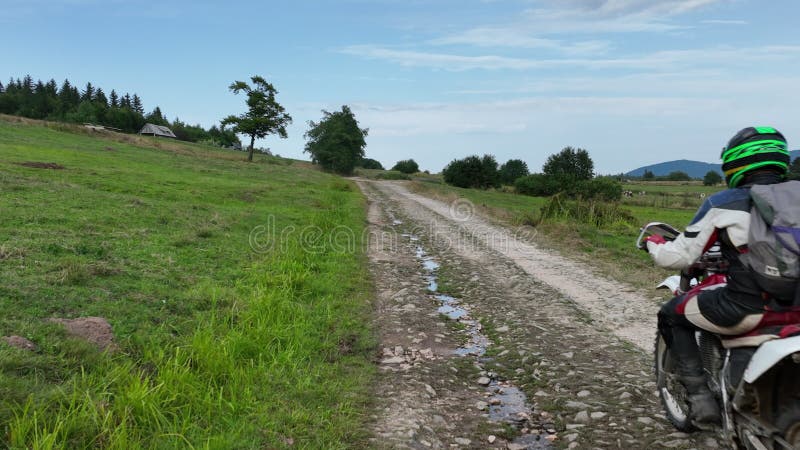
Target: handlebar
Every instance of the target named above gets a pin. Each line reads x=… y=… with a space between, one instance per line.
x=710 y=261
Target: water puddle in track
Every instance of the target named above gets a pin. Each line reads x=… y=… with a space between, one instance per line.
x=507 y=403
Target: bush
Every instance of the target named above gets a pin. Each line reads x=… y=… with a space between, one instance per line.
x=472 y=172
x=538 y=185
x=513 y=169
x=543 y=185
x=408 y=166
x=605 y=189
x=712 y=178
x=369 y=163
x=392 y=175
x=596 y=213
x=678 y=176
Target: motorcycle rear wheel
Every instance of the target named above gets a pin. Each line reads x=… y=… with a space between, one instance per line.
x=674 y=398
x=788 y=421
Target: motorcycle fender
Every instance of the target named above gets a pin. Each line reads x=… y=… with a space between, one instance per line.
x=769 y=354
x=672 y=283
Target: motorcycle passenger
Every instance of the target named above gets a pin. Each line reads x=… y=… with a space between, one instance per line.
x=755 y=155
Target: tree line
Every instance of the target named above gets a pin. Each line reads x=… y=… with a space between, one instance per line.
x=569 y=172
x=125 y=112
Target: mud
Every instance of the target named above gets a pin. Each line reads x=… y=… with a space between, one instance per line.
x=95 y=330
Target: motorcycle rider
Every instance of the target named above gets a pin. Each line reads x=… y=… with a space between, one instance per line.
x=755 y=155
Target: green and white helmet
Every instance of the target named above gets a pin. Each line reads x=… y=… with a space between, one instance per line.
x=751 y=149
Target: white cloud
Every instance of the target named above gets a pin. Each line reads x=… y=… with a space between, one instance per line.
x=724 y=22
x=661 y=60
x=569 y=17
x=509 y=37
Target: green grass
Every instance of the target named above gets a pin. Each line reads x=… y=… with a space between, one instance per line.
x=220 y=346
x=669 y=195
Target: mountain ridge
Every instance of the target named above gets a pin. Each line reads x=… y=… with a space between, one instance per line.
x=695 y=169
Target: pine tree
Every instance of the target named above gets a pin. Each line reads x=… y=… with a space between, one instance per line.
x=137 y=104
x=1 y=88
x=100 y=98
x=27 y=84
x=126 y=101
x=88 y=93
x=114 y=99
x=66 y=100
x=52 y=88
x=156 y=117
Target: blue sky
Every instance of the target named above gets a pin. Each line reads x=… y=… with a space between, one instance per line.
x=632 y=81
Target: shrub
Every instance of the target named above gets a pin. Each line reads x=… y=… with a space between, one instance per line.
x=605 y=189
x=391 y=175
x=538 y=185
x=712 y=178
x=678 y=176
x=369 y=163
x=513 y=169
x=408 y=166
x=543 y=185
x=596 y=213
x=472 y=172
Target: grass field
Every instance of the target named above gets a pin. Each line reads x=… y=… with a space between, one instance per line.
x=610 y=249
x=220 y=346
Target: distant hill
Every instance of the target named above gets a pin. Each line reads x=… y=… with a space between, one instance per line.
x=695 y=169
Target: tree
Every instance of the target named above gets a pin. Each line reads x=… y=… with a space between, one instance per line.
x=136 y=104
x=712 y=178
x=156 y=117
x=369 y=163
x=100 y=98
x=648 y=175
x=794 y=169
x=264 y=116
x=88 y=93
x=472 y=171
x=336 y=142
x=408 y=166
x=114 y=99
x=125 y=102
x=570 y=163
x=678 y=175
x=513 y=169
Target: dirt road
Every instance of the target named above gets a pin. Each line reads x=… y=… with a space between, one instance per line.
x=490 y=342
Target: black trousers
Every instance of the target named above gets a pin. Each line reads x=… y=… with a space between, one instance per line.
x=679 y=333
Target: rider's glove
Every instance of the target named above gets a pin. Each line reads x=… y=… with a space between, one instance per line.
x=653 y=241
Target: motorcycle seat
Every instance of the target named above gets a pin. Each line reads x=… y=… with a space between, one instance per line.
x=761 y=335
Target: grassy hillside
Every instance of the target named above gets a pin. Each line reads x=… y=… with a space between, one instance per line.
x=238 y=324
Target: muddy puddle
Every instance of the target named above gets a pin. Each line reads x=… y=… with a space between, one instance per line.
x=506 y=403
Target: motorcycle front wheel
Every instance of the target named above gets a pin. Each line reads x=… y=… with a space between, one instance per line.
x=674 y=398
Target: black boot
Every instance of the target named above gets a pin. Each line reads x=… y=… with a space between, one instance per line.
x=704 y=408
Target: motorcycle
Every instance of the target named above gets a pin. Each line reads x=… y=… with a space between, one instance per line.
x=755 y=377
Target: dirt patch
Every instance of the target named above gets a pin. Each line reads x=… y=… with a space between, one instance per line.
x=20 y=342
x=41 y=165
x=96 y=330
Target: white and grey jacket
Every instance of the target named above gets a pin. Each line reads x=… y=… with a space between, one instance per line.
x=728 y=210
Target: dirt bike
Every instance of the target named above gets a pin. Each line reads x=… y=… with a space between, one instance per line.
x=755 y=377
